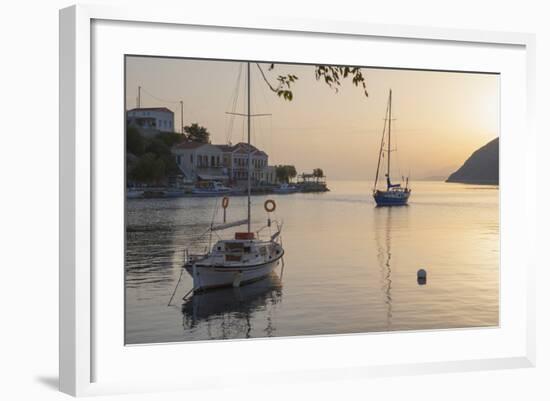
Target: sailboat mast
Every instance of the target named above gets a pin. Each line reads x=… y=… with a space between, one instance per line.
x=389 y=144
x=381 y=146
x=248 y=128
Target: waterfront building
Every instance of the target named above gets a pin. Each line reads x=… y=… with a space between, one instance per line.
x=227 y=163
x=269 y=176
x=151 y=120
x=200 y=161
x=235 y=159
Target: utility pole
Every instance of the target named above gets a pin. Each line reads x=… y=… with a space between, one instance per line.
x=139 y=98
x=181 y=105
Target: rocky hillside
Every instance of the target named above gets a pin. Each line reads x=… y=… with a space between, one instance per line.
x=480 y=168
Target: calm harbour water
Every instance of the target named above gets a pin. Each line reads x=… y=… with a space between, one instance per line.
x=349 y=266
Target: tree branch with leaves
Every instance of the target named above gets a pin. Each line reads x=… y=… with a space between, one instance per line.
x=333 y=76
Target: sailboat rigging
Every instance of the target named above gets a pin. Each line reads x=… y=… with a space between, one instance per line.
x=394 y=194
x=246 y=258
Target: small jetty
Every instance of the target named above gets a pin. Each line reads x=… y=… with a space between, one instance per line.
x=312 y=183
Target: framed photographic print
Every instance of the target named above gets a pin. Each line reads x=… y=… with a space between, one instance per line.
x=226 y=194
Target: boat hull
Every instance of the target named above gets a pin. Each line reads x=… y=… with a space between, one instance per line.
x=210 y=277
x=383 y=198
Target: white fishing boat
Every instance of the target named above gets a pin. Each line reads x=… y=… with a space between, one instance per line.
x=246 y=257
x=211 y=188
x=235 y=262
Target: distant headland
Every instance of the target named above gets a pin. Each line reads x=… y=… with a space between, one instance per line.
x=480 y=168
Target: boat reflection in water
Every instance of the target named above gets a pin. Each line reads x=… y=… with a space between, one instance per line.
x=383 y=224
x=231 y=311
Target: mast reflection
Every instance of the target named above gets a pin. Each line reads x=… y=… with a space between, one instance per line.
x=383 y=229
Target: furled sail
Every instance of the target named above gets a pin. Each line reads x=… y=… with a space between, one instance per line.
x=229 y=225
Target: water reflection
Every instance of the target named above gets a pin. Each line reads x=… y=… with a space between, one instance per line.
x=383 y=227
x=230 y=312
x=154 y=247
x=452 y=231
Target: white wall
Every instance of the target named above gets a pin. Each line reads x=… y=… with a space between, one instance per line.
x=29 y=217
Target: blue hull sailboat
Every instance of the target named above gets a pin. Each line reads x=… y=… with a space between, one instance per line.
x=394 y=194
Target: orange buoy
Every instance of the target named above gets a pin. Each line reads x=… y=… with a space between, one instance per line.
x=269 y=205
x=225 y=202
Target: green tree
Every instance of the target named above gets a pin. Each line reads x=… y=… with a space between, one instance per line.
x=280 y=173
x=171 y=138
x=291 y=171
x=135 y=143
x=329 y=74
x=318 y=173
x=197 y=133
x=170 y=165
x=285 y=173
x=149 y=169
x=157 y=147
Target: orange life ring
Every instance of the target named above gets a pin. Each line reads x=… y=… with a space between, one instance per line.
x=269 y=205
x=225 y=202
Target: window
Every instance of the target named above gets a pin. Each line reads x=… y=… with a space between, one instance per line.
x=213 y=161
x=178 y=159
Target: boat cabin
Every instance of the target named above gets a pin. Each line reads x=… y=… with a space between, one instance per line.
x=242 y=250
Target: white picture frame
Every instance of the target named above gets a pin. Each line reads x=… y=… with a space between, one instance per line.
x=83 y=349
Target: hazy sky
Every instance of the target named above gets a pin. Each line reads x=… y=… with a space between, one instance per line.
x=441 y=117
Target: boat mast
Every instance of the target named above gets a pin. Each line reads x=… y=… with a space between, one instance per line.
x=381 y=147
x=389 y=146
x=248 y=128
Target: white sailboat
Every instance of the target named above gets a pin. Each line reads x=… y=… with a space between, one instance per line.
x=244 y=258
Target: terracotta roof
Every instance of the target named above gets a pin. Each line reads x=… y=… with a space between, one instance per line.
x=162 y=109
x=241 y=148
x=244 y=147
